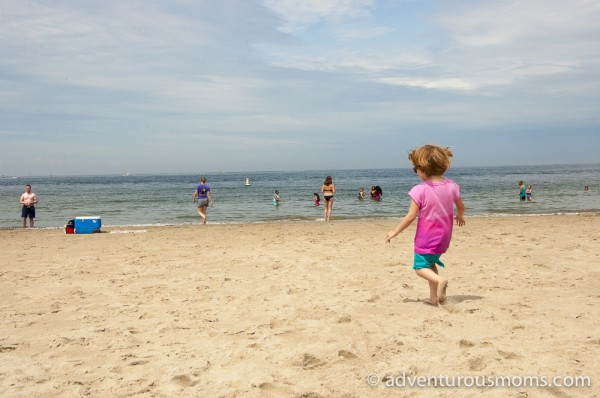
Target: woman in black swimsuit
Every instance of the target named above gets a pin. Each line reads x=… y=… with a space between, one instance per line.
x=328 y=190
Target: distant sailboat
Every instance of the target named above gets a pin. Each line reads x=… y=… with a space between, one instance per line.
x=247 y=181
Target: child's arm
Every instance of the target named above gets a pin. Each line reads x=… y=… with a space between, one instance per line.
x=460 y=212
x=413 y=210
x=195 y=196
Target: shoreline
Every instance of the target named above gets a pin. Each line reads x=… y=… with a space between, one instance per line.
x=293 y=220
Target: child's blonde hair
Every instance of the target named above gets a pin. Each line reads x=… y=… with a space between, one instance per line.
x=433 y=160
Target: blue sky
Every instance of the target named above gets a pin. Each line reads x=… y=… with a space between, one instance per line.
x=240 y=85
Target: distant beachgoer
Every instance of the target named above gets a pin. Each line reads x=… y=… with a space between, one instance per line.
x=203 y=196
x=276 y=198
x=528 y=193
x=317 y=199
x=361 y=193
x=433 y=202
x=522 y=191
x=586 y=188
x=376 y=193
x=328 y=190
x=28 y=200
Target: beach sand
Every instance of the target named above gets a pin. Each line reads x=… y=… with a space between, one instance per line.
x=297 y=310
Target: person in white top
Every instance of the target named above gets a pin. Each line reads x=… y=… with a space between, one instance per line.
x=28 y=200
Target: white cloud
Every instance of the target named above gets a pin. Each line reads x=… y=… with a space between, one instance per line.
x=299 y=15
x=488 y=23
x=485 y=45
x=511 y=42
x=344 y=60
x=444 y=84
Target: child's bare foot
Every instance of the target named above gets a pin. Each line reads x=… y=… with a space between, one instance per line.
x=428 y=302
x=441 y=291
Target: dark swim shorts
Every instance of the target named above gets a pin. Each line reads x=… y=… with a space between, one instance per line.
x=28 y=212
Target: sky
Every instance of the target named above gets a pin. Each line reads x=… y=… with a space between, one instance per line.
x=199 y=86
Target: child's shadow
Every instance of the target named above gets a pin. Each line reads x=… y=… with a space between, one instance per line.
x=463 y=297
x=449 y=299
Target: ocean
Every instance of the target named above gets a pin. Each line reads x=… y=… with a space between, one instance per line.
x=143 y=200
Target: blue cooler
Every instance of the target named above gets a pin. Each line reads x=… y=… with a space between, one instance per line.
x=87 y=225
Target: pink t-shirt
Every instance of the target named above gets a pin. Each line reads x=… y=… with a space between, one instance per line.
x=436 y=215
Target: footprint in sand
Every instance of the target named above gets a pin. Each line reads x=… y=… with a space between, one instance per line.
x=346 y=354
x=184 y=380
x=7 y=348
x=477 y=363
x=466 y=344
x=138 y=362
x=373 y=299
x=278 y=323
x=508 y=355
x=310 y=362
x=274 y=389
x=344 y=319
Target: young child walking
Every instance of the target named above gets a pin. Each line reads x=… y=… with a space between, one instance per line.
x=433 y=202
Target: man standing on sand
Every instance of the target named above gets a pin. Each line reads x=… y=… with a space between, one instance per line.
x=202 y=195
x=28 y=200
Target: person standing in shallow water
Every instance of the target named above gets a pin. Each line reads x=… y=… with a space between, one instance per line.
x=361 y=193
x=328 y=190
x=276 y=198
x=203 y=196
x=522 y=191
x=28 y=200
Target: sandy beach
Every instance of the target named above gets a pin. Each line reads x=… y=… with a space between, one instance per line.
x=297 y=310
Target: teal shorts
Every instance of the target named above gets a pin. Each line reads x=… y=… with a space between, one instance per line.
x=425 y=260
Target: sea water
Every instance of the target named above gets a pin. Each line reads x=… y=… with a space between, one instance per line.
x=127 y=200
